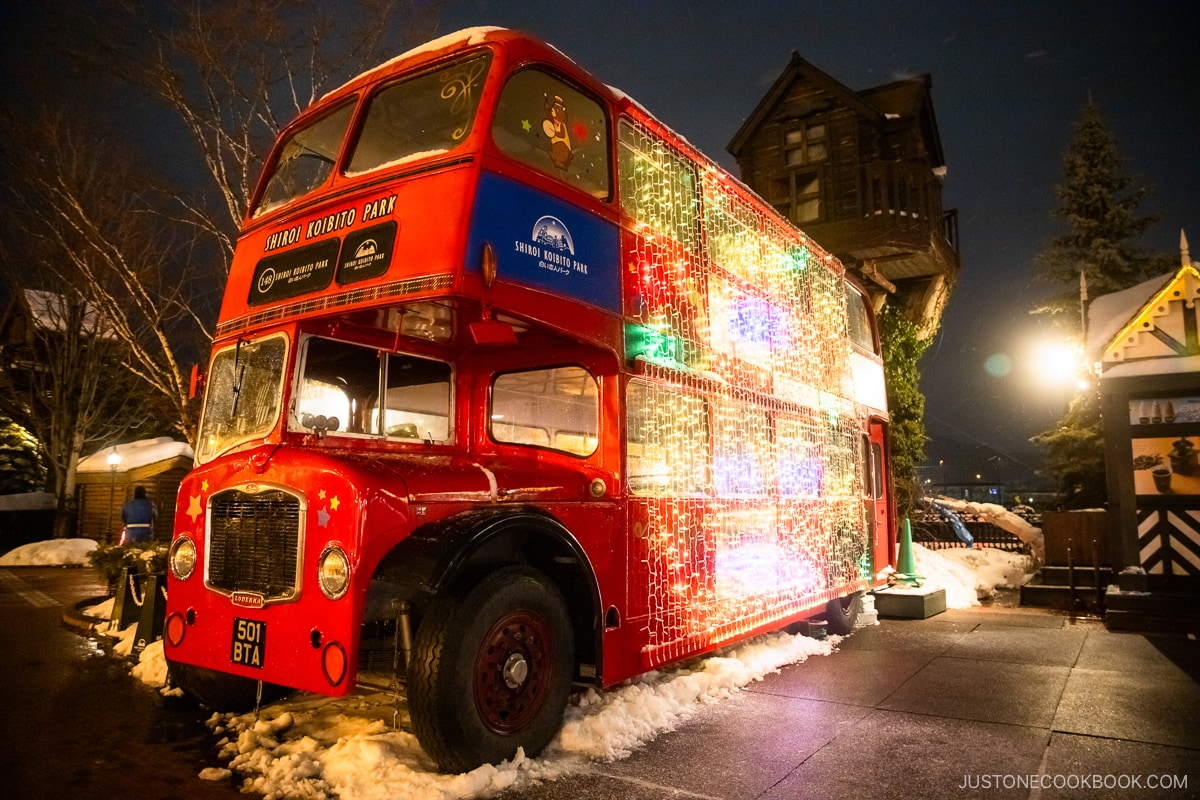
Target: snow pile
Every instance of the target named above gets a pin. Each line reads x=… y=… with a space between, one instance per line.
x=151 y=668
x=50 y=553
x=102 y=610
x=322 y=747
x=1003 y=519
x=971 y=574
x=611 y=725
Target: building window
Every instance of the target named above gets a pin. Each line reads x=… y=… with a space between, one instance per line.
x=797 y=196
x=807 y=144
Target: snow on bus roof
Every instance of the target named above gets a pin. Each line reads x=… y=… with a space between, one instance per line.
x=466 y=35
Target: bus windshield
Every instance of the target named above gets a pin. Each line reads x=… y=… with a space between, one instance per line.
x=418 y=117
x=245 y=386
x=305 y=159
x=423 y=116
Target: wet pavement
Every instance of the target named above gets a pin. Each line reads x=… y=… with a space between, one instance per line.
x=994 y=702
x=74 y=722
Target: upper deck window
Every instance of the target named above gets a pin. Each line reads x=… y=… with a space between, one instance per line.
x=423 y=116
x=858 y=320
x=543 y=122
x=306 y=159
x=658 y=185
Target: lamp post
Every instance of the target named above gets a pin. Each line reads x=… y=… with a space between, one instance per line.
x=114 y=460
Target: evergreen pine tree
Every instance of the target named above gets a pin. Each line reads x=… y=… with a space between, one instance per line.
x=21 y=468
x=1100 y=211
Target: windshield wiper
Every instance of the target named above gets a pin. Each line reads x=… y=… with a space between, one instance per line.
x=241 y=375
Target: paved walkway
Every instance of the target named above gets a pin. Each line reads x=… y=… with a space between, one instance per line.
x=991 y=702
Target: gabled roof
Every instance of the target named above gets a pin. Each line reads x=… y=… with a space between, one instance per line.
x=135 y=455
x=1154 y=320
x=1109 y=313
x=904 y=98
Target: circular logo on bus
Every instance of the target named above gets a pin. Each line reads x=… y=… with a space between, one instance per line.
x=266 y=280
x=550 y=232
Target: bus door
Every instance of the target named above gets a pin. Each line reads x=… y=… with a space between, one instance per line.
x=876 y=492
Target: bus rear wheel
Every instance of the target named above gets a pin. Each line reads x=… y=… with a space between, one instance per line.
x=491 y=670
x=841 y=613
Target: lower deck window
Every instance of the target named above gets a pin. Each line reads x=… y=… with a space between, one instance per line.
x=351 y=389
x=557 y=408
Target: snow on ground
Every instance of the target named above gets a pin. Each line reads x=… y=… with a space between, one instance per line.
x=319 y=747
x=322 y=747
x=971 y=574
x=51 y=553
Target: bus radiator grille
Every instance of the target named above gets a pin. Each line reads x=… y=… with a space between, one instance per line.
x=254 y=542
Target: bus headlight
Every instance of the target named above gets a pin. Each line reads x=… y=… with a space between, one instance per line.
x=333 y=572
x=183 y=558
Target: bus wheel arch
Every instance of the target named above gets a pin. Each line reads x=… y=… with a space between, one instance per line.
x=492 y=668
x=451 y=555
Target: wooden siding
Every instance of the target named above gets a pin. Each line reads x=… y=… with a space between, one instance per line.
x=102 y=495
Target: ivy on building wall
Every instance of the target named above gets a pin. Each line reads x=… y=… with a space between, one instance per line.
x=902 y=351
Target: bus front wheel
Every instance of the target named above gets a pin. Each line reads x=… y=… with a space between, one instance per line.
x=491 y=670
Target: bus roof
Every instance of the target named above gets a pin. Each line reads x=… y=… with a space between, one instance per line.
x=525 y=47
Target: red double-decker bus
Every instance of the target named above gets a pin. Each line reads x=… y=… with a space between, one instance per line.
x=515 y=390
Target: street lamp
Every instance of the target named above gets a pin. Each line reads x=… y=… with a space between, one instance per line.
x=114 y=460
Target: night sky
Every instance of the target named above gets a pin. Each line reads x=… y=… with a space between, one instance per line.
x=1009 y=82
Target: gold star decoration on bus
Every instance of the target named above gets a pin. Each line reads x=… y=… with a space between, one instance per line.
x=194 y=509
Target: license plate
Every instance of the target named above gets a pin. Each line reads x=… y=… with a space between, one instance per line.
x=249 y=642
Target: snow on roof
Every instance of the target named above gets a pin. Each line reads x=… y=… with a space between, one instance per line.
x=468 y=36
x=27 y=501
x=136 y=454
x=1173 y=365
x=1109 y=313
x=50 y=309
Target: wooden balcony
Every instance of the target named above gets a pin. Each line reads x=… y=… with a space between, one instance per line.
x=894 y=221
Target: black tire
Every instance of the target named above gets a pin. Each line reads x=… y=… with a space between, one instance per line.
x=491 y=670
x=221 y=691
x=841 y=613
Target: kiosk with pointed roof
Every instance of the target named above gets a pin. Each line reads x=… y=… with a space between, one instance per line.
x=1146 y=343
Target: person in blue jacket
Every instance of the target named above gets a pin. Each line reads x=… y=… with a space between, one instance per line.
x=138 y=515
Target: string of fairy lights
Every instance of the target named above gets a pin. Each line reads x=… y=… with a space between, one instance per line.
x=743 y=434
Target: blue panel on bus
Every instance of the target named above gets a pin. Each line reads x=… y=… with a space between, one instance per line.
x=547 y=243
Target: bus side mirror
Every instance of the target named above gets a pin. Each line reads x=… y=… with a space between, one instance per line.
x=196 y=386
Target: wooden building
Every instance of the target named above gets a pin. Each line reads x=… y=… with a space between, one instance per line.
x=1146 y=340
x=103 y=487
x=861 y=173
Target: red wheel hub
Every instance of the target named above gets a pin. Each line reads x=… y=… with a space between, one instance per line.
x=512 y=671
